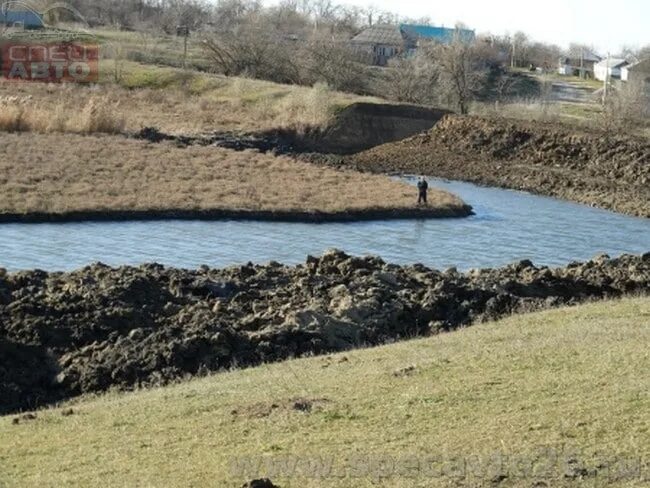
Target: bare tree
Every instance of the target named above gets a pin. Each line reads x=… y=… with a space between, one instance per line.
x=324 y=11
x=505 y=86
x=626 y=108
x=229 y=14
x=334 y=62
x=252 y=51
x=349 y=20
x=519 y=49
x=644 y=52
x=288 y=19
x=173 y=13
x=463 y=72
x=543 y=55
x=413 y=80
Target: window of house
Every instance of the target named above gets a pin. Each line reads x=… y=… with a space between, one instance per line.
x=385 y=51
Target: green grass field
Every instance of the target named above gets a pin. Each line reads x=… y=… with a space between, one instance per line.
x=559 y=398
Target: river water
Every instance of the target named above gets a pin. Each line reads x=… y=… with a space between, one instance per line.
x=508 y=226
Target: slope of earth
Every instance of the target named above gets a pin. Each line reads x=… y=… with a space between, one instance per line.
x=609 y=171
x=361 y=126
x=65 y=334
x=557 y=398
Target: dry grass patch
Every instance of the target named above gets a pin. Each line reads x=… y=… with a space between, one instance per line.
x=56 y=173
x=25 y=114
x=177 y=102
x=558 y=398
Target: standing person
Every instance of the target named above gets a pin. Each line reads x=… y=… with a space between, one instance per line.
x=423 y=186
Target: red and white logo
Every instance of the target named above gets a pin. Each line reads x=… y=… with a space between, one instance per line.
x=50 y=62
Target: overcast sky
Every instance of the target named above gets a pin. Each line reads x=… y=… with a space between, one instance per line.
x=608 y=25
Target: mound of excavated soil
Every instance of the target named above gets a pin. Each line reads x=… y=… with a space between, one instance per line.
x=63 y=334
x=607 y=171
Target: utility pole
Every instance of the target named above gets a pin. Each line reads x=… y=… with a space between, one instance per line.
x=606 y=80
x=183 y=30
x=514 y=49
x=582 y=62
x=187 y=34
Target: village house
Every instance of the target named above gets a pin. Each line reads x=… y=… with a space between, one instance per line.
x=384 y=41
x=637 y=73
x=609 y=68
x=579 y=62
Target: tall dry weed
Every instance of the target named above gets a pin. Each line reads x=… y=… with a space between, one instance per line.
x=58 y=121
x=532 y=109
x=13 y=113
x=23 y=114
x=306 y=108
x=99 y=115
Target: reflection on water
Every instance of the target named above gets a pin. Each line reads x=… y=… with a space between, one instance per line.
x=508 y=226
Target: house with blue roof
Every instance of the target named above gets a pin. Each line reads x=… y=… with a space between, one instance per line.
x=26 y=19
x=384 y=41
x=443 y=35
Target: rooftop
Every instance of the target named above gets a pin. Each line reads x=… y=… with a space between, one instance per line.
x=642 y=66
x=586 y=54
x=444 y=34
x=380 y=34
x=393 y=34
x=612 y=63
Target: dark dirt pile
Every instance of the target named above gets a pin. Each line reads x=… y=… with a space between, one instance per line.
x=63 y=334
x=608 y=171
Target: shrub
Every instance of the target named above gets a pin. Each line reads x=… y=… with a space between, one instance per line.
x=99 y=115
x=12 y=114
x=306 y=108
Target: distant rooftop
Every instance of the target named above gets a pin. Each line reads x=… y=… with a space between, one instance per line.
x=393 y=34
x=380 y=34
x=586 y=54
x=612 y=63
x=642 y=66
x=441 y=34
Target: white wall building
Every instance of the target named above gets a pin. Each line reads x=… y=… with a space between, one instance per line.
x=578 y=62
x=609 y=68
x=637 y=72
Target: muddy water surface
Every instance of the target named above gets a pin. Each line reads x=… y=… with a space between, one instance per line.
x=508 y=226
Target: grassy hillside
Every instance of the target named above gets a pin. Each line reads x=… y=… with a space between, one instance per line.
x=175 y=101
x=141 y=76
x=558 y=398
x=171 y=99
